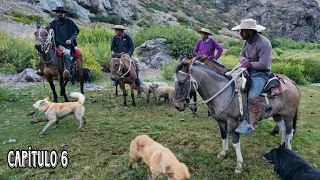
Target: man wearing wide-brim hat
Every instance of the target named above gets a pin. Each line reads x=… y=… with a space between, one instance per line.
x=256 y=57
x=66 y=32
x=206 y=46
x=123 y=43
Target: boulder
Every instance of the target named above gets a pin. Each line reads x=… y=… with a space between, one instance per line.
x=303 y=34
x=154 y=53
x=29 y=75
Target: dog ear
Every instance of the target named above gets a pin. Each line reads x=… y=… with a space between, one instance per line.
x=169 y=172
x=47 y=98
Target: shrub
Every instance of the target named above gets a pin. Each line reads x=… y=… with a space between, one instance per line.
x=168 y=70
x=181 y=19
x=158 y=7
x=26 y=19
x=229 y=61
x=284 y=43
x=95 y=35
x=235 y=43
x=234 y=51
x=293 y=72
x=7 y=68
x=113 y=19
x=181 y=40
x=18 y=52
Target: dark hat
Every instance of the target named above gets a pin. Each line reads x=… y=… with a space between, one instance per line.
x=59 y=8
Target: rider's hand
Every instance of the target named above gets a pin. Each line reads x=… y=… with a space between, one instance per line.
x=246 y=64
x=68 y=41
x=204 y=57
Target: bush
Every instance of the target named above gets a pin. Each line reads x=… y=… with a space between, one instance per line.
x=18 y=52
x=181 y=40
x=7 y=68
x=113 y=19
x=26 y=19
x=229 y=61
x=158 y=7
x=168 y=70
x=181 y=19
x=293 y=72
x=234 y=51
x=284 y=43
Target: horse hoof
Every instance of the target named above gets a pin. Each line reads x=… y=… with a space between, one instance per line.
x=125 y=106
x=78 y=129
x=223 y=155
x=238 y=170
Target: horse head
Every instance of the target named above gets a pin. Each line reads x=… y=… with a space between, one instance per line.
x=115 y=67
x=183 y=84
x=44 y=38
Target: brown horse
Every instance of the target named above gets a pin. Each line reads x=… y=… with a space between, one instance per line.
x=51 y=64
x=123 y=71
x=221 y=98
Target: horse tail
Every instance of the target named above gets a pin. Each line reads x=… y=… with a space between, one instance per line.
x=295 y=118
x=78 y=95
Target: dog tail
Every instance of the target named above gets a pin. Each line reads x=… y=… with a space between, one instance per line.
x=78 y=95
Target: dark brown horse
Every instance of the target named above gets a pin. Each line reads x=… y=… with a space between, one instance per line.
x=123 y=71
x=51 y=64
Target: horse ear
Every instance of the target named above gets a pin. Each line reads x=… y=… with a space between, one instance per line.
x=181 y=57
x=38 y=25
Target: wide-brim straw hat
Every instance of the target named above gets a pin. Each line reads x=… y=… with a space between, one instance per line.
x=249 y=24
x=205 y=30
x=60 y=8
x=119 y=27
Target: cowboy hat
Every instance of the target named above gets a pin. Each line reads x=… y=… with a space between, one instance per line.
x=249 y=24
x=59 y=8
x=205 y=30
x=119 y=27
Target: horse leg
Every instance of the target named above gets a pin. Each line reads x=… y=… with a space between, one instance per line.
x=224 y=136
x=282 y=127
x=132 y=94
x=289 y=133
x=125 y=94
x=236 y=144
x=63 y=90
x=81 y=79
x=275 y=130
x=55 y=97
x=117 y=89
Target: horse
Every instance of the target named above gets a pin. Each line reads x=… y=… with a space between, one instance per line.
x=123 y=72
x=51 y=63
x=209 y=84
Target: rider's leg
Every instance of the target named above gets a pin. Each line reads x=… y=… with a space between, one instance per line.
x=67 y=62
x=255 y=103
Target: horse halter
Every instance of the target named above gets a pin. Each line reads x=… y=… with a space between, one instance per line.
x=192 y=82
x=47 y=44
x=121 y=66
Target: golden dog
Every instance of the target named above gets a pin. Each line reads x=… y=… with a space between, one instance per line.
x=56 y=111
x=160 y=160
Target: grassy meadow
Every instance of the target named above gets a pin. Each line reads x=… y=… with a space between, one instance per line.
x=100 y=150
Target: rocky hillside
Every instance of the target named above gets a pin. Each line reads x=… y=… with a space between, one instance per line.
x=298 y=19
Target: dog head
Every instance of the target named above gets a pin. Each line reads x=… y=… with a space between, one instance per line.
x=177 y=172
x=42 y=105
x=271 y=157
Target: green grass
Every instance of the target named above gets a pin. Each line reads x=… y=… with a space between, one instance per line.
x=100 y=150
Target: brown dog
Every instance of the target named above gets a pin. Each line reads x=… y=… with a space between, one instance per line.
x=56 y=111
x=160 y=160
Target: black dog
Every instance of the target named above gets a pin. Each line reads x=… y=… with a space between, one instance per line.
x=86 y=75
x=290 y=166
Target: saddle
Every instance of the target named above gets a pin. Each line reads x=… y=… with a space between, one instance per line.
x=59 y=50
x=274 y=86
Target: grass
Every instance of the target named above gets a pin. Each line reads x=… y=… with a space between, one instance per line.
x=100 y=150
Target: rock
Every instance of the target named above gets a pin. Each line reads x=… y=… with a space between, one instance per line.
x=83 y=13
x=303 y=34
x=316 y=84
x=282 y=19
x=154 y=53
x=12 y=141
x=29 y=75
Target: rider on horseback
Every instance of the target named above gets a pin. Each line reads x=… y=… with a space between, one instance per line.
x=123 y=43
x=206 y=46
x=66 y=32
x=256 y=57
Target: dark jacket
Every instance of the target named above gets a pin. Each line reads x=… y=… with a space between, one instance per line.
x=122 y=44
x=64 y=30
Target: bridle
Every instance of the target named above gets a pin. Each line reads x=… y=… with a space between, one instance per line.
x=121 y=66
x=47 y=44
